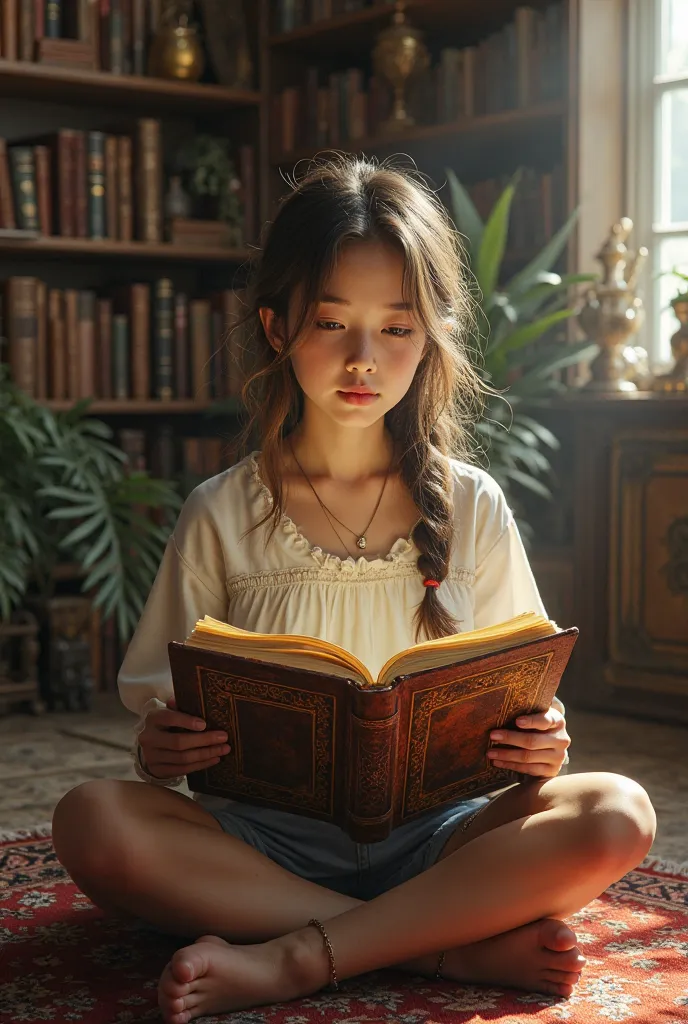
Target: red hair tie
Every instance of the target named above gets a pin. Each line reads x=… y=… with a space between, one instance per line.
x=430 y=583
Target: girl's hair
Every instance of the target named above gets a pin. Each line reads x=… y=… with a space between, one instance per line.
x=339 y=199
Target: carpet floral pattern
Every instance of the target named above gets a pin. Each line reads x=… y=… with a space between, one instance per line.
x=62 y=960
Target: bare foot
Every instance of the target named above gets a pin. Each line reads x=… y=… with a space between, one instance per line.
x=539 y=957
x=213 y=976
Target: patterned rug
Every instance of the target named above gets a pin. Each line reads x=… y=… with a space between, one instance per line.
x=62 y=960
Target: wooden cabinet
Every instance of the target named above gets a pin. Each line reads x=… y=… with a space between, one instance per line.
x=625 y=460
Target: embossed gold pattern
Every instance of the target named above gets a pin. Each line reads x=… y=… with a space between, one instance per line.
x=220 y=707
x=521 y=682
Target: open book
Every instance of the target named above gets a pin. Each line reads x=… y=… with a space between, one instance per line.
x=312 y=732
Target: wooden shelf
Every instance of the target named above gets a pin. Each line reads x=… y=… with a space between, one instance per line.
x=359 y=28
x=540 y=117
x=133 y=406
x=53 y=247
x=149 y=406
x=30 y=80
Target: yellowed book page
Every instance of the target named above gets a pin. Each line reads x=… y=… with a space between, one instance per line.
x=246 y=641
x=300 y=651
x=292 y=657
x=438 y=654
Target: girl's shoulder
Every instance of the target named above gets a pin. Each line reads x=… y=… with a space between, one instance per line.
x=227 y=499
x=475 y=486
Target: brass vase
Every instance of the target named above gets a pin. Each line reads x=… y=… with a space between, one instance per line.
x=398 y=56
x=677 y=378
x=612 y=312
x=176 y=51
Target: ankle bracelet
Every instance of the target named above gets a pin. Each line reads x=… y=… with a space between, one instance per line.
x=330 y=952
x=440 y=965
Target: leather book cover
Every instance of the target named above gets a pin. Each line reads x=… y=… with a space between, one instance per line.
x=365 y=759
x=7 y=219
x=22 y=331
x=148 y=180
x=125 y=188
x=71 y=306
x=181 y=345
x=104 y=348
x=41 y=156
x=41 y=391
x=111 y=215
x=80 y=184
x=57 y=345
x=134 y=300
x=9 y=11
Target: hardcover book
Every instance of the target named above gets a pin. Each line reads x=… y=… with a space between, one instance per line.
x=311 y=732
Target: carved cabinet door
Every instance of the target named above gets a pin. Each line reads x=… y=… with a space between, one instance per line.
x=649 y=561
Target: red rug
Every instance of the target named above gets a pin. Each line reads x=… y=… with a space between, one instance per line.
x=62 y=960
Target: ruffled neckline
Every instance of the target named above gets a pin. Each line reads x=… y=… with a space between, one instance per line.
x=399 y=551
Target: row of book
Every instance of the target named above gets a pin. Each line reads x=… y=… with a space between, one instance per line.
x=538 y=209
x=288 y=15
x=518 y=67
x=91 y=184
x=168 y=456
x=138 y=342
x=110 y=35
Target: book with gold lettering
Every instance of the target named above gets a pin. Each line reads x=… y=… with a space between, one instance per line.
x=313 y=733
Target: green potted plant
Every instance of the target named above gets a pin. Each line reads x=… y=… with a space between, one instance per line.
x=210 y=178
x=67 y=495
x=511 y=318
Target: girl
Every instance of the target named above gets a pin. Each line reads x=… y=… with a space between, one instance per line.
x=359 y=520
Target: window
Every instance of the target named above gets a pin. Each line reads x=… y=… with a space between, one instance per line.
x=657 y=156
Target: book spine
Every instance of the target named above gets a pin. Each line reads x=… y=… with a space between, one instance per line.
x=71 y=305
x=22 y=331
x=86 y=305
x=199 y=329
x=104 y=348
x=181 y=345
x=7 y=219
x=41 y=155
x=24 y=181
x=80 y=185
x=27 y=37
x=121 y=388
x=38 y=20
x=65 y=183
x=111 y=186
x=41 y=389
x=138 y=36
x=162 y=339
x=149 y=180
x=116 y=64
x=373 y=725
x=125 y=201
x=9 y=29
x=96 y=184
x=53 y=19
x=57 y=349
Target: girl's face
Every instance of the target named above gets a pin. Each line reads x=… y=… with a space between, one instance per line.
x=363 y=337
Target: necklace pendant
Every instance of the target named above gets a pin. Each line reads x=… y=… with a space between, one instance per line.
x=361 y=542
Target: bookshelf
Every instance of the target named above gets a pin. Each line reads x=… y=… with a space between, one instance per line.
x=566 y=132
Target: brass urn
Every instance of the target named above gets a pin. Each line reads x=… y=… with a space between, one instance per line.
x=612 y=312
x=398 y=56
x=176 y=51
x=677 y=378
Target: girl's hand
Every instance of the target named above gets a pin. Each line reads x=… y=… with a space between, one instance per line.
x=544 y=744
x=167 y=753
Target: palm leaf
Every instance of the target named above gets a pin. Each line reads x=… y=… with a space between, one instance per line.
x=466 y=217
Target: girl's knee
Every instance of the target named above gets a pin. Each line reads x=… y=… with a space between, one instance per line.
x=618 y=819
x=86 y=828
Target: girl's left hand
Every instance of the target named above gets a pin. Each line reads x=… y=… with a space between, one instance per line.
x=544 y=742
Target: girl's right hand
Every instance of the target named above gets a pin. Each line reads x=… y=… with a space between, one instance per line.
x=167 y=753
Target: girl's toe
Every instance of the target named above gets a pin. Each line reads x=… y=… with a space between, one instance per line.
x=562 y=977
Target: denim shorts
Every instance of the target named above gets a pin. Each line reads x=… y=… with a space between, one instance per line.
x=323 y=853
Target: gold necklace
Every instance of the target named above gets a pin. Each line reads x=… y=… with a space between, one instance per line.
x=361 y=540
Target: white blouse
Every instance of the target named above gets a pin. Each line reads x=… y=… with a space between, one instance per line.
x=287 y=585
